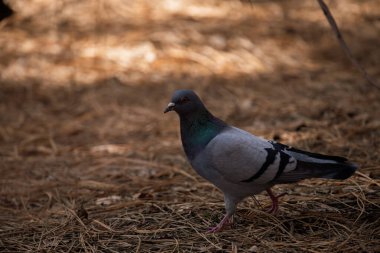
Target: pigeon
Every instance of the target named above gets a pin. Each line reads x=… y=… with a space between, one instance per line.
x=241 y=164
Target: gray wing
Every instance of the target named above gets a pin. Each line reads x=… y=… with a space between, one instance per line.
x=240 y=157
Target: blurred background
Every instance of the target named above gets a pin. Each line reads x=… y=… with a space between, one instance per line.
x=83 y=85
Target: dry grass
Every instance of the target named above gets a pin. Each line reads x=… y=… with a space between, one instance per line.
x=89 y=162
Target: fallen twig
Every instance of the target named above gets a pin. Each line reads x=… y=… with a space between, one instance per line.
x=343 y=44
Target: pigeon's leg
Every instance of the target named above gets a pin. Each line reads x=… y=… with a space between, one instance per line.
x=230 y=205
x=274 y=207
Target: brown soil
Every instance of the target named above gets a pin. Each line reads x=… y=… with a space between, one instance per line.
x=90 y=163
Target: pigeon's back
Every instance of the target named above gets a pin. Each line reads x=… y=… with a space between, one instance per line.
x=240 y=159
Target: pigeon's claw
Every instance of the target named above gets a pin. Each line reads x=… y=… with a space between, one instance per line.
x=274 y=207
x=222 y=224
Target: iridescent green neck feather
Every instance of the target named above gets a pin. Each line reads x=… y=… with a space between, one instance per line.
x=197 y=130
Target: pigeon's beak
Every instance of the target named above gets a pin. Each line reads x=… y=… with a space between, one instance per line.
x=170 y=107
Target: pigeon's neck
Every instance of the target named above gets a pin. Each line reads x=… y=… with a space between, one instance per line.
x=197 y=130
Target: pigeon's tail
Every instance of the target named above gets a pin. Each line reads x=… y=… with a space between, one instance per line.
x=327 y=170
x=313 y=165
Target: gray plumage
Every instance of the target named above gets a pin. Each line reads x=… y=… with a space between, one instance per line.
x=239 y=163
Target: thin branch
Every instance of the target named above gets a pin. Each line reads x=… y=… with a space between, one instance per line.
x=343 y=44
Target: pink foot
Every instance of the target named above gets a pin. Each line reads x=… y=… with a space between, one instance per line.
x=274 y=207
x=222 y=224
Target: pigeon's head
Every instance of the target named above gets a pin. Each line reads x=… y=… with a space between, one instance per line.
x=184 y=102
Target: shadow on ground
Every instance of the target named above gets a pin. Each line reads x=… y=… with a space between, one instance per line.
x=90 y=162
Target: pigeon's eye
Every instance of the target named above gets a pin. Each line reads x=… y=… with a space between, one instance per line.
x=184 y=100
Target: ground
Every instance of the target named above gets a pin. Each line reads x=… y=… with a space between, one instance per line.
x=90 y=163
